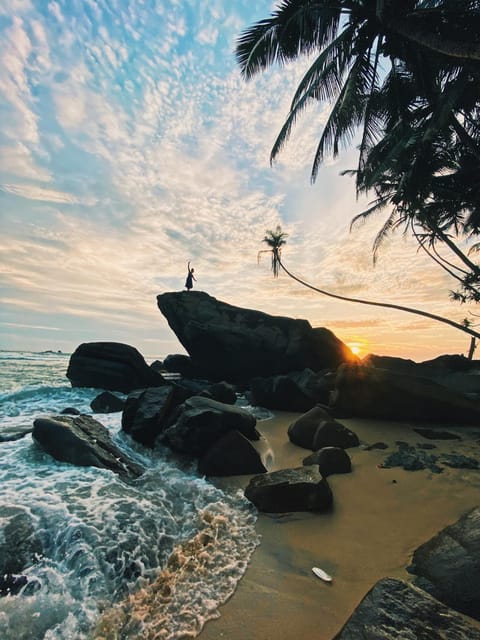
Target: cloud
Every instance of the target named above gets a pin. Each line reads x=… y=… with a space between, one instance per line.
x=33 y=192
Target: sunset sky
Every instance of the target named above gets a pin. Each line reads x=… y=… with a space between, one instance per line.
x=130 y=144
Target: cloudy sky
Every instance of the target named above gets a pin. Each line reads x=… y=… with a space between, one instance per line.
x=130 y=144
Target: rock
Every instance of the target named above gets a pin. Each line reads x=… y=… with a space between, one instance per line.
x=19 y=543
x=146 y=410
x=223 y=392
x=437 y=434
x=106 y=402
x=411 y=459
x=295 y=391
x=11 y=585
x=448 y=565
x=70 y=411
x=330 y=460
x=331 y=433
x=367 y=392
x=232 y=455
x=302 y=431
x=81 y=440
x=376 y=445
x=235 y=344
x=179 y=363
x=457 y=461
x=302 y=489
x=201 y=422
x=158 y=366
x=395 y=609
x=112 y=366
x=8 y=434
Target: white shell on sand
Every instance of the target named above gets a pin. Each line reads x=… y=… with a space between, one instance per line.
x=320 y=573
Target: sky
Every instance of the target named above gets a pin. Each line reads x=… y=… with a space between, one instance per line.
x=131 y=144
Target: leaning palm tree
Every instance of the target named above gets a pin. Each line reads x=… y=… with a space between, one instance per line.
x=277 y=239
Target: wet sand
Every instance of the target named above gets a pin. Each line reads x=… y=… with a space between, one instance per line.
x=380 y=517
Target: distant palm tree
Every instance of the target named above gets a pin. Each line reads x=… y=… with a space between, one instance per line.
x=277 y=239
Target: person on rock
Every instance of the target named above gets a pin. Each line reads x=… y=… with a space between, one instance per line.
x=190 y=277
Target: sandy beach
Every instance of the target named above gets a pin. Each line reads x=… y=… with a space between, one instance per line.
x=380 y=517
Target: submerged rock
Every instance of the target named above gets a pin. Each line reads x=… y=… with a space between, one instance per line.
x=82 y=441
x=111 y=365
x=395 y=609
x=448 y=565
x=235 y=344
x=19 y=543
x=301 y=489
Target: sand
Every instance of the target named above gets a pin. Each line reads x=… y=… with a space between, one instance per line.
x=380 y=517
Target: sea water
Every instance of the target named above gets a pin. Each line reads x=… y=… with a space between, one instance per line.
x=149 y=558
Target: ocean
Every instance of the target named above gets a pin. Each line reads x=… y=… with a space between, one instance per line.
x=149 y=558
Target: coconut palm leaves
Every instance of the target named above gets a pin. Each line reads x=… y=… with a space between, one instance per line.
x=275 y=240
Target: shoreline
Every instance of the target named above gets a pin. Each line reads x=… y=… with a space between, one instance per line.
x=380 y=516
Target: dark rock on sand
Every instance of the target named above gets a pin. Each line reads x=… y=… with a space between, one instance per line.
x=107 y=402
x=295 y=391
x=457 y=461
x=412 y=459
x=200 y=422
x=330 y=460
x=235 y=344
x=395 y=609
x=437 y=434
x=8 y=434
x=146 y=411
x=448 y=565
x=19 y=543
x=368 y=392
x=331 y=433
x=82 y=441
x=112 y=366
x=376 y=445
x=301 y=489
x=232 y=455
x=302 y=431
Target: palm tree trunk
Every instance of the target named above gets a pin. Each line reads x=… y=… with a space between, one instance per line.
x=385 y=305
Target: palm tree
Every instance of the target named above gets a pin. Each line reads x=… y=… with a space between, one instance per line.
x=420 y=139
x=277 y=239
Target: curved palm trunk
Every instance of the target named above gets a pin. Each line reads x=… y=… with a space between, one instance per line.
x=385 y=305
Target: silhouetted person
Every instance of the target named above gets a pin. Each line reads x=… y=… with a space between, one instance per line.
x=190 y=277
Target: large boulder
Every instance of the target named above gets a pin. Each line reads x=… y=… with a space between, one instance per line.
x=146 y=411
x=315 y=430
x=369 y=392
x=295 y=391
x=232 y=455
x=448 y=565
x=112 y=366
x=395 y=609
x=301 y=489
x=200 y=422
x=235 y=344
x=82 y=441
x=302 y=431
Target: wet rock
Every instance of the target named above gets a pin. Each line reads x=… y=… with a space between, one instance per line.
x=111 y=365
x=330 y=460
x=82 y=441
x=302 y=431
x=368 y=392
x=396 y=609
x=295 y=391
x=200 y=422
x=331 y=433
x=448 y=565
x=302 y=489
x=232 y=455
x=70 y=411
x=107 y=402
x=19 y=543
x=8 y=434
x=147 y=410
x=234 y=344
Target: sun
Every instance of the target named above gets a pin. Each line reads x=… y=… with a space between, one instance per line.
x=356 y=347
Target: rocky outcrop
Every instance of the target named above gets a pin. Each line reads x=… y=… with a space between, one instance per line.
x=302 y=489
x=112 y=366
x=330 y=460
x=448 y=565
x=396 y=609
x=368 y=392
x=295 y=391
x=235 y=344
x=200 y=422
x=232 y=455
x=82 y=441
